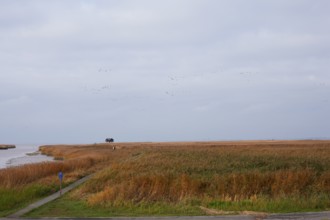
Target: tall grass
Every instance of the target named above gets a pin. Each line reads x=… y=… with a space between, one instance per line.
x=187 y=172
x=224 y=175
x=21 y=175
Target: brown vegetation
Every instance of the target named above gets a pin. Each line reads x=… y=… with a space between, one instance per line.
x=239 y=171
x=204 y=171
x=184 y=172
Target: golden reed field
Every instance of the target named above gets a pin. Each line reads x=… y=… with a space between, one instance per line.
x=258 y=175
x=174 y=172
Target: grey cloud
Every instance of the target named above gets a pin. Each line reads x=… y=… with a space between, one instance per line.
x=79 y=71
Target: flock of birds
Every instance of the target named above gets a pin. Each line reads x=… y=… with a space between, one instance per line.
x=174 y=82
x=97 y=90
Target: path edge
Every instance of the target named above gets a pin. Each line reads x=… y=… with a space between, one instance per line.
x=48 y=199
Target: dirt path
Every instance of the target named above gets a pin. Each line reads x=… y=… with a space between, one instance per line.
x=49 y=198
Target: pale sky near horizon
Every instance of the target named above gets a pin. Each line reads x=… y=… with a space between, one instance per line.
x=79 y=71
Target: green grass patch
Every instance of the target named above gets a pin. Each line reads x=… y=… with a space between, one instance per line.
x=67 y=207
x=16 y=198
x=280 y=205
x=13 y=199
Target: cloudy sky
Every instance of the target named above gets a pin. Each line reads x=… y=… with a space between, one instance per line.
x=176 y=70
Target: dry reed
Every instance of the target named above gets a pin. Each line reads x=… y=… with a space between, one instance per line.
x=179 y=172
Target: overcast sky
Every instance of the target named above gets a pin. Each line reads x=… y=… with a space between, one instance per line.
x=176 y=70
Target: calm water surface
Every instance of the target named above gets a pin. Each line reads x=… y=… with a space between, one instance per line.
x=18 y=156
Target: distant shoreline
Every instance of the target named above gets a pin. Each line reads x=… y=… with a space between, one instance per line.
x=21 y=154
x=198 y=143
x=6 y=146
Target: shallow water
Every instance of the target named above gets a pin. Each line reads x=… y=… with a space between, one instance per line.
x=18 y=156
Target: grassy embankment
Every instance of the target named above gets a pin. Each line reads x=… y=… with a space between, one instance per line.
x=186 y=178
x=22 y=185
